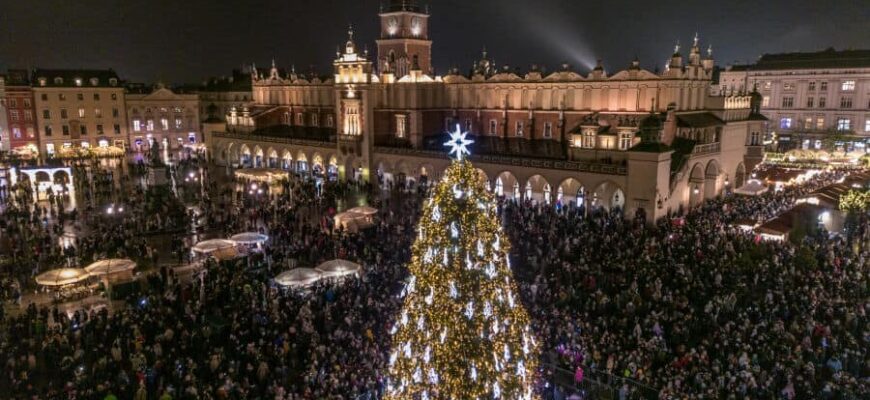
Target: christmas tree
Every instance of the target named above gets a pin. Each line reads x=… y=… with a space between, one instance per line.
x=462 y=332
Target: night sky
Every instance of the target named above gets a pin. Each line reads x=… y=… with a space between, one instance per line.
x=185 y=41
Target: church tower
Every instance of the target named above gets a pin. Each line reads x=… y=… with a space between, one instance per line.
x=404 y=44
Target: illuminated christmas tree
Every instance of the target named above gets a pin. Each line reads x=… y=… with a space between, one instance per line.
x=462 y=332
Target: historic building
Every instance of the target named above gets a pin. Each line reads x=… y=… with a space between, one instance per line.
x=639 y=141
x=4 y=124
x=217 y=96
x=159 y=115
x=79 y=109
x=810 y=97
x=20 y=114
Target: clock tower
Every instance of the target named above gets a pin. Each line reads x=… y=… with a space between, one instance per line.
x=404 y=44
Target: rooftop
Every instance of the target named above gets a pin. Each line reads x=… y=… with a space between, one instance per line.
x=75 y=78
x=828 y=58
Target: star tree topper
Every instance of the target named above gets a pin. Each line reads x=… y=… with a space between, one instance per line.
x=458 y=143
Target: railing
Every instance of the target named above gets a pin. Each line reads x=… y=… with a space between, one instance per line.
x=274 y=139
x=708 y=148
x=602 y=168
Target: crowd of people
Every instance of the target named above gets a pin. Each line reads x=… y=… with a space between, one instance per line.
x=694 y=309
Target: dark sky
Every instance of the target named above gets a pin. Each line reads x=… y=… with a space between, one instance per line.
x=187 y=40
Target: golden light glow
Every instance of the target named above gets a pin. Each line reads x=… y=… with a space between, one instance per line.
x=462 y=332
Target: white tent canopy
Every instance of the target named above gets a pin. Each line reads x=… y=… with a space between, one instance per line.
x=299 y=277
x=110 y=267
x=62 y=276
x=210 y=246
x=338 y=267
x=364 y=210
x=249 y=238
x=753 y=187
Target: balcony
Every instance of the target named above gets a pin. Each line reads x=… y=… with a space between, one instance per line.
x=709 y=148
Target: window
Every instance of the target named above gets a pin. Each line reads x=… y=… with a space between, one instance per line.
x=80 y=96
x=149 y=125
x=767 y=85
x=96 y=97
x=178 y=123
x=46 y=114
x=27 y=103
x=820 y=122
x=81 y=112
x=867 y=125
x=13 y=103
x=47 y=130
x=493 y=127
x=808 y=123
x=787 y=102
x=117 y=129
x=468 y=124
x=351 y=122
x=847 y=86
x=625 y=141
x=99 y=129
x=83 y=129
x=137 y=125
x=810 y=102
x=329 y=121
x=755 y=139
x=115 y=113
x=114 y=96
x=519 y=128
x=30 y=132
x=61 y=96
x=98 y=113
x=300 y=119
x=785 y=123
x=164 y=124
x=844 y=124
x=823 y=86
x=811 y=86
x=16 y=132
x=314 y=120
x=13 y=115
x=401 y=126
x=589 y=139
x=765 y=101
x=548 y=129
x=846 y=102
x=44 y=97
x=65 y=130
x=822 y=102
x=28 y=115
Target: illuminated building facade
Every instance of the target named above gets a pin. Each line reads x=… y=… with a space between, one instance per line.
x=637 y=140
x=79 y=110
x=159 y=115
x=810 y=97
x=20 y=114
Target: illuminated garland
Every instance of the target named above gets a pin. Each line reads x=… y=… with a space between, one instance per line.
x=462 y=332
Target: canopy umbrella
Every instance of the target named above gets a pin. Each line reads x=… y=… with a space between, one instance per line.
x=210 y=246
x=249 y=238
x=110 y=267
x=364 y=210
x=226 y=253
x=338 y=267
x=298 y=277
x=753 y=187
x=62 y=276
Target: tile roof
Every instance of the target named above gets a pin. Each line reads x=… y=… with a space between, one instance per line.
x=69 y=77
x=828 y=58
x=698 y=120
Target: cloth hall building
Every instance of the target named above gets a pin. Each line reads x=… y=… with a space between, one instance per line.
x=644 y=142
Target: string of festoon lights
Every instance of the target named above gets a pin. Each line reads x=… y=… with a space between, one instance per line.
x=462 y=332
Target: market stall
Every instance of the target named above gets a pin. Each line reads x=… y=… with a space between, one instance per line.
x=113 y=269
x=339 y=268
x=298 y=278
